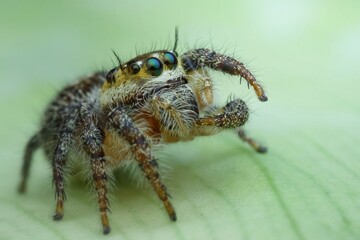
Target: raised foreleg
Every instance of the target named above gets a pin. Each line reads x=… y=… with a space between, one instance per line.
x=232 y=116
x=200 y=58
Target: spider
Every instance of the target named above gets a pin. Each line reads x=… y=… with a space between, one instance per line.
x=120 y=116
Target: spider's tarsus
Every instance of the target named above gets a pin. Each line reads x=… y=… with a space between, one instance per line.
x=58 y=217
x=173 y=217
x=263 y=98
x=262 y=149
x=22 y=188
x=106 y=230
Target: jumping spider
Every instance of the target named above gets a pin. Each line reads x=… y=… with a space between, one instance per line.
x=158 y=97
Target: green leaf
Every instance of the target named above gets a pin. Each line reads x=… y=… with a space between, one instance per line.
x=305 y=187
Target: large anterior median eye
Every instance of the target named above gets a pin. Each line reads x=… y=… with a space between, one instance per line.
x=170 y=60
x=154 y=66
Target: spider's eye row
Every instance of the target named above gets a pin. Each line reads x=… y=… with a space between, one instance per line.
x=154 y=66
x=170 y=60
x=135 y=68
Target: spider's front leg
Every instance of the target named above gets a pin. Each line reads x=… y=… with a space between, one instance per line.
x=93 y=138
x=233 y=115
x=126 y=128
x=200 y=58
x=254 y=144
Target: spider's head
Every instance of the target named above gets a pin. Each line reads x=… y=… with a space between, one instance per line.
x=145 y=74
x=158 y=66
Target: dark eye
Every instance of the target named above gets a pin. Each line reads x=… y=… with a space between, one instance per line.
x=170 y=60
x=135 y=68
x=154 y=66
x=110 y=75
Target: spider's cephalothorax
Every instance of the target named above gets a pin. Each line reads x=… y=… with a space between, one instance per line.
x=120 y=116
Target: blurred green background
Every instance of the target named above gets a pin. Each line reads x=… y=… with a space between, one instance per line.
x=305 y=53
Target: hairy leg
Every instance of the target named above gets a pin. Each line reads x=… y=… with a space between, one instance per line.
x=255 y=145
x=232 y=115
x=200 y=58
x=30 y=148
x=92 y=138
x=126 y=128
x=65 y=140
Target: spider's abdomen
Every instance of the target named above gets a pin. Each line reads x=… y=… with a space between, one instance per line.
x=65 y=108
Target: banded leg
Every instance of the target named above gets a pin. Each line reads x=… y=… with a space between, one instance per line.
x=59 y=160
x=255 y=145
x=199 y=58
x=127 y=129
x=232 y=115
x=31 y=147
x=92 y=138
